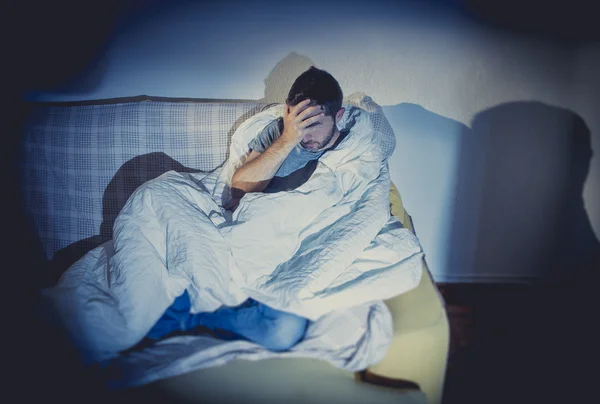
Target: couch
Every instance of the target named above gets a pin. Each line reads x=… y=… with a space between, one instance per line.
x=81 y=161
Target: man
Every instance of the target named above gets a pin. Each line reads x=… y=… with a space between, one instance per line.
x=282 y=157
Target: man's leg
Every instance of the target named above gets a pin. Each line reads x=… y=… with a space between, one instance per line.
x=275 y=330
x=174 y=319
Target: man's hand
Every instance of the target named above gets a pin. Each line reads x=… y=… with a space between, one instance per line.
x=296 y=120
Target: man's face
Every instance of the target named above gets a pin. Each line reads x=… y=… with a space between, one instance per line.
x=321 y=134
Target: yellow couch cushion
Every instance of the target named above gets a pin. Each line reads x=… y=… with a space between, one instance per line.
x=419 y=348
x=396 y=205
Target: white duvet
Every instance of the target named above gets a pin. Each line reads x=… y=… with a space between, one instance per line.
x=328 y=251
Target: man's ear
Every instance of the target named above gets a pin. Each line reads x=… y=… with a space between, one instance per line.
x=339 y=115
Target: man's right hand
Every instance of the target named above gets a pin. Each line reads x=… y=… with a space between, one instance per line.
x=296 y=120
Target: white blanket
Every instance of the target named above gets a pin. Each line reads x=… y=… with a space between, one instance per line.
x=328 y=251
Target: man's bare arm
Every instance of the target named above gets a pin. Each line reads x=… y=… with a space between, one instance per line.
x=259 y=169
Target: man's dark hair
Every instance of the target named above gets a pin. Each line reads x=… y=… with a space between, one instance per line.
x=320 y=87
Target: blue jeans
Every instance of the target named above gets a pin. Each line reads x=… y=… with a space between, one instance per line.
x=275 y=330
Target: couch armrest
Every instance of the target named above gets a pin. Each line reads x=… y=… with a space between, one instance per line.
x=419 y=349
x=420 y=344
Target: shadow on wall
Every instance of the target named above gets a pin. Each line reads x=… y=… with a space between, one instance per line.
x=512 y=189
x=128 y=178
x=282 y=76
x=521 y=173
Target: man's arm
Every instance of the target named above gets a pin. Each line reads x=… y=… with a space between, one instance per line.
x=258 y=170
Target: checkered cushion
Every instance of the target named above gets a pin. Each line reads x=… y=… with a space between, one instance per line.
x=82 y=162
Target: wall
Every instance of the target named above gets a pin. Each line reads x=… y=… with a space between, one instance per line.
x=483 y=116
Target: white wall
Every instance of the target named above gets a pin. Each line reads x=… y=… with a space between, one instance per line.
x=433 y=71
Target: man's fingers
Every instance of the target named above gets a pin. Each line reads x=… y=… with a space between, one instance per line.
x=302 y=105
x=308 y=112
x=313 y=119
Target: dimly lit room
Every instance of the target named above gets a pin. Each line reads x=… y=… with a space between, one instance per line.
x=306 y=201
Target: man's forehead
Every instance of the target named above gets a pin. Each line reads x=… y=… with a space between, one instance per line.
x=326 y=120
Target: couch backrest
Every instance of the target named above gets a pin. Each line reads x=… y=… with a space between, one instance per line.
x=83 y=160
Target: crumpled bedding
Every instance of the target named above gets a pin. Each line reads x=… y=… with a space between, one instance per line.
x=328 y=251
